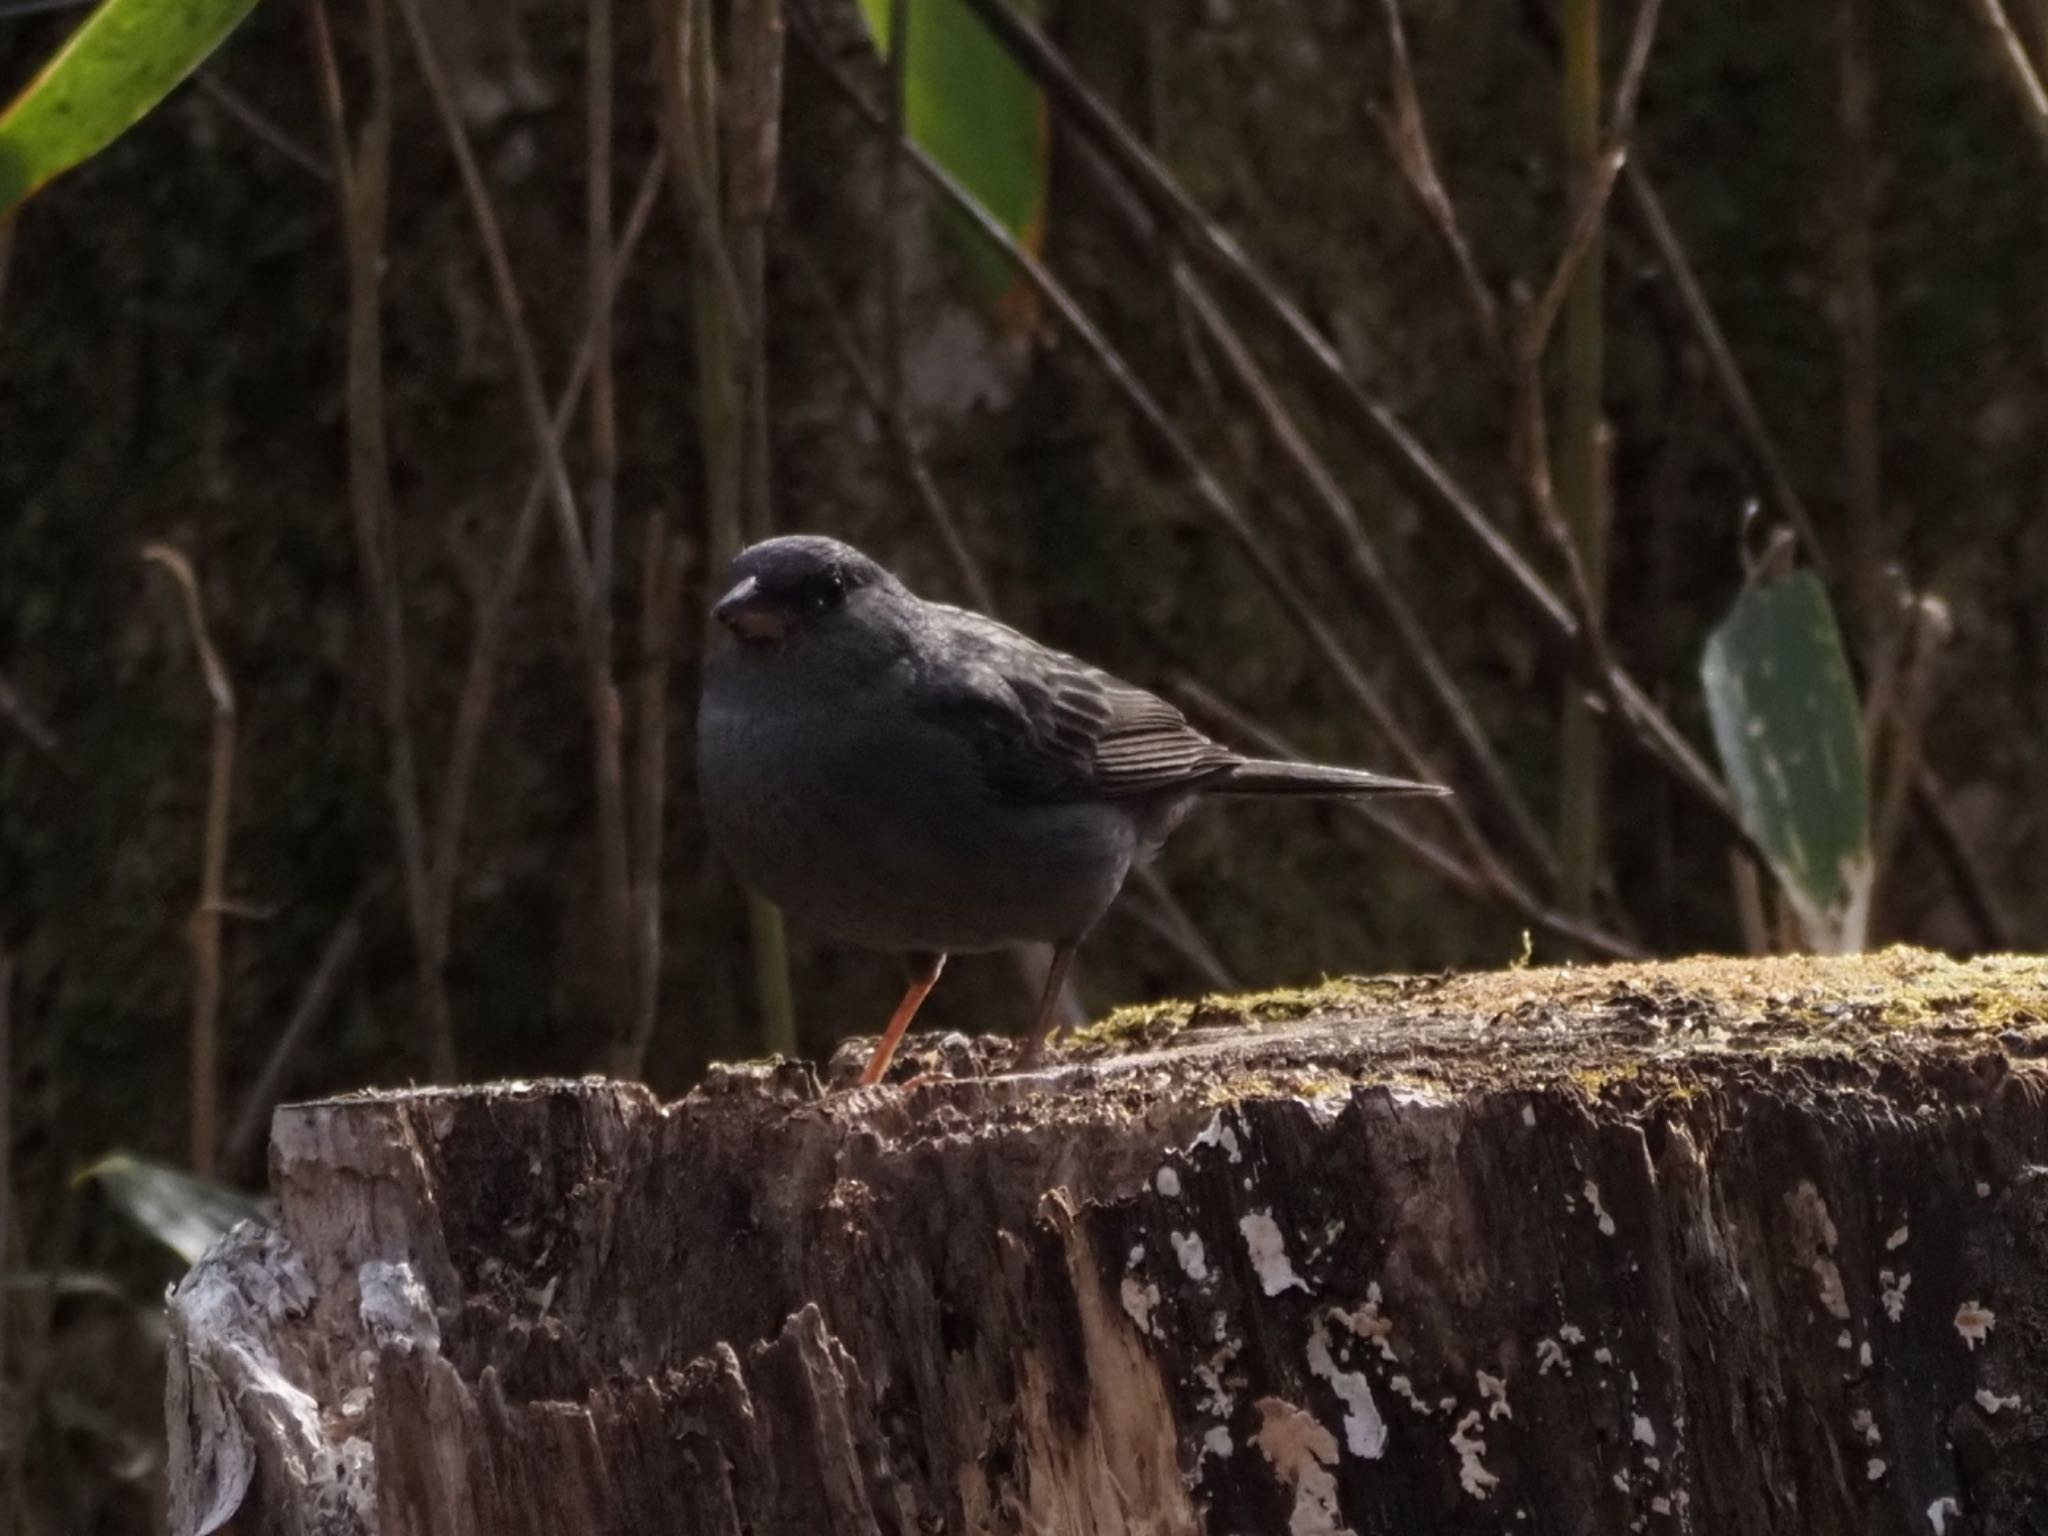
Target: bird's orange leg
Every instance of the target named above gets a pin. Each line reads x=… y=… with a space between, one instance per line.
x=1048 y=1005
x=924 y=975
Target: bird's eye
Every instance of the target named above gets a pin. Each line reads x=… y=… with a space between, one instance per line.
x=826 y=593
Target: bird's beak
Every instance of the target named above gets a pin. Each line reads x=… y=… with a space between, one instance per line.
x=749 y=613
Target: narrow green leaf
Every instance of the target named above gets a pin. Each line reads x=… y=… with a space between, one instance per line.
x=1789 y=732
x=980 y=116
x=122 y=61
x=184 y=1213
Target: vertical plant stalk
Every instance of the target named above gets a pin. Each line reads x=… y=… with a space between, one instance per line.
x=891 y=222
x=2012 y=58
x=1580 y=483
x=203 y=1066
x=336 y=957
x=479 y=681
x=727 y=185
x=614 y=857
x=661 y=601
x=601 y=690
x=1856 y=271
x=362 y=175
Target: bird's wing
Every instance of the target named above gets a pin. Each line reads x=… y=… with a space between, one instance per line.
x=1050 y=727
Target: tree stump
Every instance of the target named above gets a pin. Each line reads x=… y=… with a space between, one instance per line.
x=1716 y=1246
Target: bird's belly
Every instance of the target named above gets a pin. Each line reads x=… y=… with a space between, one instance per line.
x=895 y=843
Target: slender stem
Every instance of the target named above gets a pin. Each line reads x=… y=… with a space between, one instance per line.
x=1579 y=458
x=661 y=603
x=336 y=956
x=2019 y=69
x=204 y=1068
x=479 y=680
x=362 y=176
x=1405 y=457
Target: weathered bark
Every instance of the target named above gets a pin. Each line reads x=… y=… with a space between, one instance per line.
x=1721 y=1247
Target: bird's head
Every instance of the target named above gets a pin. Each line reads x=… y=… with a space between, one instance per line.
x=797 y=584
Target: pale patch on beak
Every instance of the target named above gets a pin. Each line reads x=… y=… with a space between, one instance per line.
x=751 y=615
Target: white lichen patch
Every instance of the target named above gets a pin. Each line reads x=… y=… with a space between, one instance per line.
x=1365 y=1321
x=1139 y=1300
x=1217 y=1134
x=1218 y=1399
x=1660 y=1505
x=1471 y=1446
x=1621 y=1481
x=1548 y=1353
x=1603 y=1356
x=1866 y=1426
x=1529 y=1116
x=1875 y=1469
x=1167 y=1182
x=1572 y=1334
x=1897 y=1240
x=1863 y=1355
x=1941 y=1511
x=1814 y=1231
x=1302 y=1453
x=1217 y=1442
x=1592 y=1194
x=1187 y=1247
x=1991 y=1402
x=1493 y=1391
x=1974 y=1323
x=1894 y=1287
x=395 y=1306
x=1845 y=1340
x=1644 y=1432
x=1268 y=1249
x=1365 y=1432
x=1983 y=1193
x=1402 y=1387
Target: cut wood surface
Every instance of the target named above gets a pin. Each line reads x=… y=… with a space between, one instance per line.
x=1734 y=1247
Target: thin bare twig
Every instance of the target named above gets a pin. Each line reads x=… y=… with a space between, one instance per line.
x=898 y=48
x=1418 y=652
x=1405 y=458
x=1755 y=437
x=614 y=856
x=7 y=224
x=1855 y=252
x=753 y=116
x=204 y=1067
x=479 y=680
x=1207 y=488
x=363 y=180
x=258 y=125
x=1489 y=884
x=2019 y=69
x=336 y=956
x=1163 y=915
x=1407 y=135
x=1926 y=627
x=519 y=336
x=661 y=601
x=600 y=689
x=909 y=459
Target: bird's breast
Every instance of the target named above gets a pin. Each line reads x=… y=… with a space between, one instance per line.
x=876 y=828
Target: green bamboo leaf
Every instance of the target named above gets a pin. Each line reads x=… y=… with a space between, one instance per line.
x=1789 y=732
x=122 y=61
x=967 y=103
x=184 y=1213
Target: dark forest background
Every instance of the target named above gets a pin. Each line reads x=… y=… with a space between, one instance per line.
x=263 y=339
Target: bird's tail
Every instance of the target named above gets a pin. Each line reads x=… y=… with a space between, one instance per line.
x=1268 y=776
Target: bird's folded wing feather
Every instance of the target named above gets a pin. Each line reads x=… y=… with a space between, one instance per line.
x=1050 y=727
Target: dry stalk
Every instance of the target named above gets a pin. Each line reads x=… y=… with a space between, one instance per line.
x=204 y=930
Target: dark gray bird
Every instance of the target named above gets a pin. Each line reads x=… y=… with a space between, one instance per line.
x=911 y=777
